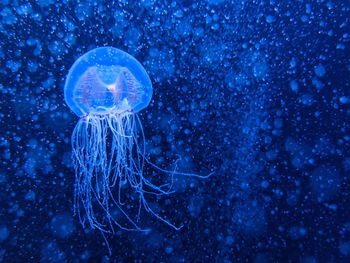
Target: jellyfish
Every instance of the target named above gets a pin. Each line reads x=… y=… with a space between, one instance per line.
x=106 y=88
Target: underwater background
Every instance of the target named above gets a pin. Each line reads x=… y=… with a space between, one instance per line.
x=256 y=91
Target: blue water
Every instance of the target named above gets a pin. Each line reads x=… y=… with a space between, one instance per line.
x=257 y=92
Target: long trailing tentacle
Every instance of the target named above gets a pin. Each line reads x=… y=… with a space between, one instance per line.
x=109 y=155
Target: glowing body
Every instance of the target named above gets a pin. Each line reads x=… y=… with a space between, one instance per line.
x=107 y=80
x=105 y=88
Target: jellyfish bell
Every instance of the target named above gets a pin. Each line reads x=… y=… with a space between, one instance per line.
x=105 y=88
x=106 y=80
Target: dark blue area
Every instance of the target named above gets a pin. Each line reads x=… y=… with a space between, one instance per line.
x=257 y=91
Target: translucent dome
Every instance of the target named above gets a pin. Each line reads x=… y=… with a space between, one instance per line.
x=107 y=80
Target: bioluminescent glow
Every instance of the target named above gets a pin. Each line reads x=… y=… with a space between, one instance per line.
x=106 y=87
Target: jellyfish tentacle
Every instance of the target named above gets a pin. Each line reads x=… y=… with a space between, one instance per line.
x=102 y=166
x=141 y=190
x=89 y=150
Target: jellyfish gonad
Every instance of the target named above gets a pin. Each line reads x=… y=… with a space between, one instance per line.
x=105 y=88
